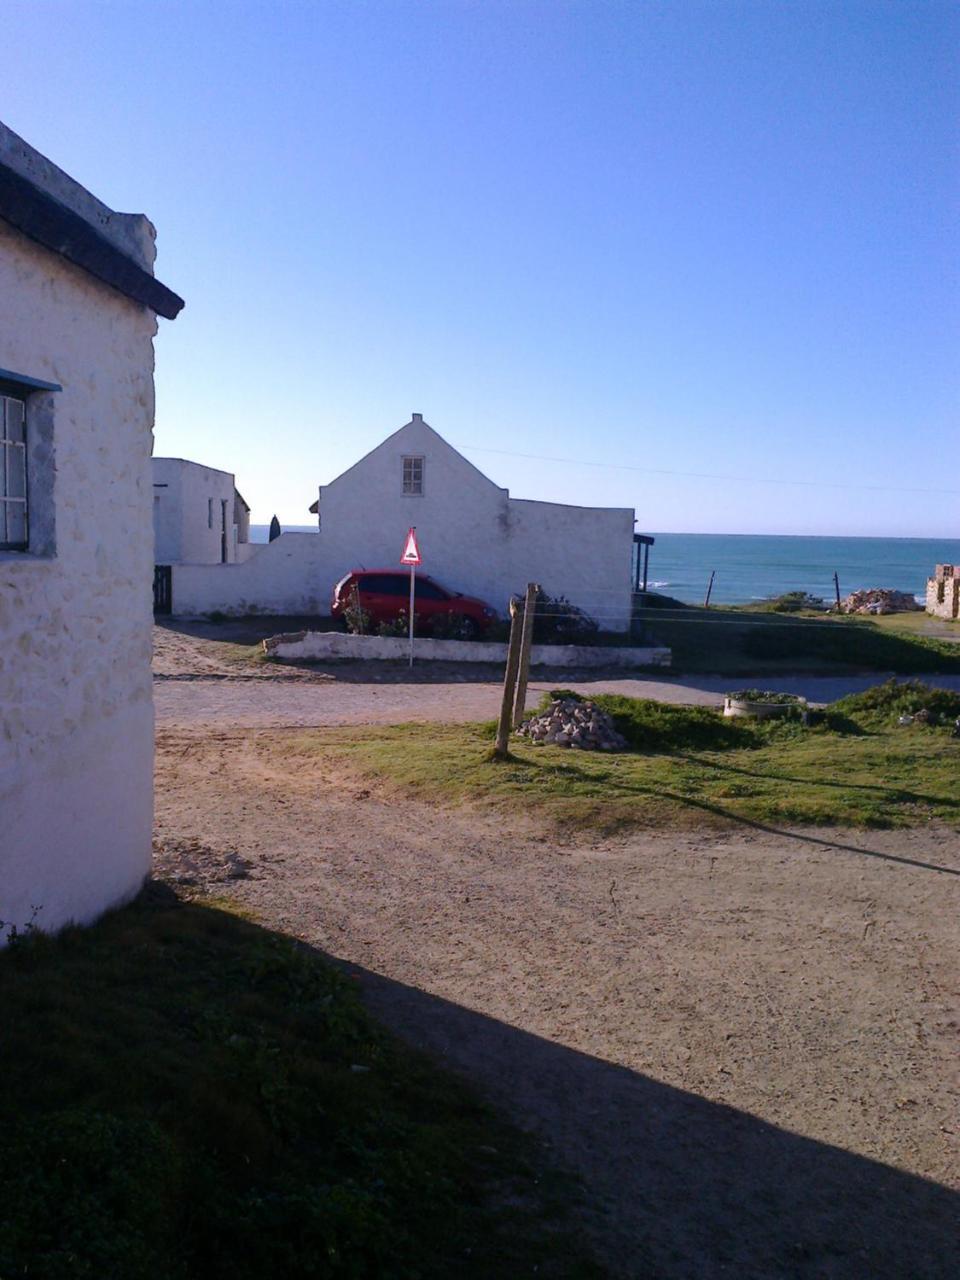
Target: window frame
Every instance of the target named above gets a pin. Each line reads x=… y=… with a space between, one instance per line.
x=415 y=463
x=8 y=395
x=39 y=469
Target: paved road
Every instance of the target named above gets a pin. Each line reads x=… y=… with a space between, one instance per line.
x=201 y=702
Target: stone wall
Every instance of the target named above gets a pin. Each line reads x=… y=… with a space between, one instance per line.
x=943 y=591
x=76 y=713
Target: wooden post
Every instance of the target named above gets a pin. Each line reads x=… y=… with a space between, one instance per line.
x=706 y=598
x=836 y=585
x=501 y=750
x=526 y=640
x=646 y=563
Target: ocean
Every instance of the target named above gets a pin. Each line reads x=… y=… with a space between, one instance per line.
x=755 y=566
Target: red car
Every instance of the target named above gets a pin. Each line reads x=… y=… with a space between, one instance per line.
x=384 y=593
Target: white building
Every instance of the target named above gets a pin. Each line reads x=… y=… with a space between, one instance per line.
x=76 y=545
x=199 y=517
x=473 y=535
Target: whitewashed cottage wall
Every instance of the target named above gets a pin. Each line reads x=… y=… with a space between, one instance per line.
x=76 y=713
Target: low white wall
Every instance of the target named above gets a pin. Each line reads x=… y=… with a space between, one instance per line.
x=282 y=576
x=320 y=645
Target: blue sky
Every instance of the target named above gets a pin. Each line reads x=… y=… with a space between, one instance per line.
x=706 y=238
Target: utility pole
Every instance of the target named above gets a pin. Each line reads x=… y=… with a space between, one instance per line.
x=526 y=640
x=706 y=599
x=501 y=750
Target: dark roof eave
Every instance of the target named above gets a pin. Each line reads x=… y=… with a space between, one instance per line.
x=44 y=219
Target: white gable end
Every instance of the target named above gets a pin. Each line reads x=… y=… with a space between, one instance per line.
x=473 y=536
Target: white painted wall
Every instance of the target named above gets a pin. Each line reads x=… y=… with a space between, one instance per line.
x=188 y=510
x=473 y=536
x=76 y=712
x=320 y=646
x=282 y=577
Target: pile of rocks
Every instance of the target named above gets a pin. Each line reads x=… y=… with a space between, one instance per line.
x=568 y=722
x=880 y=600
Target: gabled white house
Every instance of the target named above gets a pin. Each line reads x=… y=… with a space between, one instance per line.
x=80 y=307
x=199 y=516
x=474 y=537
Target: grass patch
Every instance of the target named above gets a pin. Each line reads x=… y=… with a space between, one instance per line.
x=759 y=639
x=189 y=1095
x=854 y=766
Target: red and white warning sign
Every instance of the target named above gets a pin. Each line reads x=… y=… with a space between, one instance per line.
x=411 y=552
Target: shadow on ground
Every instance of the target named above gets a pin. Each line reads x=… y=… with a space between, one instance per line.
x=684 y=1187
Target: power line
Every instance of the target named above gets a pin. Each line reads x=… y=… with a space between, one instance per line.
x=703 y=475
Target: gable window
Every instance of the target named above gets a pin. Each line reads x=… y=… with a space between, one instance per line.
x=13 y=474
x=413 y=475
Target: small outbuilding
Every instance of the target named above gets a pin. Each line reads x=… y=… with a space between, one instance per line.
x=199 y=516
x=80 y=307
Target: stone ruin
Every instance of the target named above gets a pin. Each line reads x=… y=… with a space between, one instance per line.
x=570 y=722
x=943 y=592
x=879 y=600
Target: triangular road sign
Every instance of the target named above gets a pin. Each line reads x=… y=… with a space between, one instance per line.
x=411 y=552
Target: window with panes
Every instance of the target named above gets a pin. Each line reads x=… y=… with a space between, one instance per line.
x=413 y=475
x=14 y=516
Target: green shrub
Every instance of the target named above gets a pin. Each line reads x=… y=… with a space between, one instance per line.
x=397 y=627
x=356 y=618
x=453 y=626
x=768 y=696
x=557 y=621
x=885 y=703
x=789 y=602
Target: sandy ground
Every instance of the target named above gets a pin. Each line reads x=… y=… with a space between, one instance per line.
x=198 y=686
x=745 y=1043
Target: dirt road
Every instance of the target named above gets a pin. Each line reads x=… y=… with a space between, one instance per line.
x=203 y=683
x=745 y=1043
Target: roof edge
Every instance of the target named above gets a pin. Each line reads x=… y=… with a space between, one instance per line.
x=46 y=220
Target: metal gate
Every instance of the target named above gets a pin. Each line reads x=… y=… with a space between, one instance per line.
x=162 y=588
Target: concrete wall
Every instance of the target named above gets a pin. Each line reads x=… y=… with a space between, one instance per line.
x=282 y=576
x=76 y=713
x=188 y=511
x=473 y=536
x=319 y=646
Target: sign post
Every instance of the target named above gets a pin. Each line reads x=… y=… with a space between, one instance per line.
x=411 y=556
